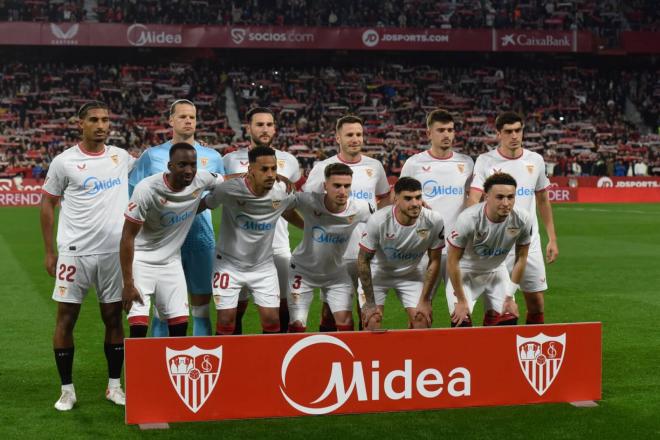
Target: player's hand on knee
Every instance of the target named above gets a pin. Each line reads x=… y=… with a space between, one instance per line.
x=50 y=262
x=424 y=313
x=371 y=317
x=511 y=307
x=128 y=295
x=461 y=313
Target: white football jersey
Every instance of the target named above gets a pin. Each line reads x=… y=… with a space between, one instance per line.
x=248 y=221
x=485 y=242
x=94 y=191
x=399 y=248
x=445 y=182
x=369 y=182
x=326 y=234
x=528 y=170
x=287 y=166
x=166 y=215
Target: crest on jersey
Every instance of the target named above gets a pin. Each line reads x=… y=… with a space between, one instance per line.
x=512 y=231
x=281 y=163
x=540 y=359
x=461 y=167
x=422 y=233
x=370 y=172
x=115 y=159
x=194 y=373
x=277 y=204
x=350 y=218
x=426 y=169
x=62 y=290
x=204 y=161
x=530 y=168
x=195 y=193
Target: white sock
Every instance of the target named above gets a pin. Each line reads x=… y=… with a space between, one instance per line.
x=114 y=383
x=200 y=311
x=68 y=387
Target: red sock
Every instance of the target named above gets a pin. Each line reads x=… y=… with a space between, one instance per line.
x=297 y=328
x=535 y=318
x=224 y=329
x=491 y=319
x=344 y=328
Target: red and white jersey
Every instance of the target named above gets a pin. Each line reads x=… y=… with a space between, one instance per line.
x=248 y=221
x=486 y=243
x=287 y=166
x=94 y=191
x=445 y=182
x=400 y=248
x=528 y=170
x=326 y=234
x=369 y=182
x=165 y=215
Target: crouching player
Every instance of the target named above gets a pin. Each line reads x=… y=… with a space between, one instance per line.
x=318 y=262
x=399 y=237
x=479 y=243
x=158 y=218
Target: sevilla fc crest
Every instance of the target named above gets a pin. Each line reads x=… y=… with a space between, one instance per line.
x=115 y=159
x=194 y=373
x=530 y=168
x=461 y=167
x=540 y=359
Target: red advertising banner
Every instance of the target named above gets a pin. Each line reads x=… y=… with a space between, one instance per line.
x=606 y=182
x=235 y=377
x=558 y=194
x=562 y=194
x=292 y=37
x=640 y=42
x=20 y=198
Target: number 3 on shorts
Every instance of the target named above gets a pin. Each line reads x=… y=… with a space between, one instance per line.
x=297 y=281
x=220 y=281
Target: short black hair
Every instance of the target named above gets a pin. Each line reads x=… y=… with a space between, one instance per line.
x=439 y=115
x=337 y=169
x=90 y=105
x=257 y=110
x=259 y=151
x=499 y=179
x=348 y=119
x=407 y=184
x=507 y=118
x=181 y=146
x=180 y=101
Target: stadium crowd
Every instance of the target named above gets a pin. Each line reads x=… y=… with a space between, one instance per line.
x=605 y=18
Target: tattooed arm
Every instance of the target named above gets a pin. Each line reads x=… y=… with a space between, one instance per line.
x=371 y=316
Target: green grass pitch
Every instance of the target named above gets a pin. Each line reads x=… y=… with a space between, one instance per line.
x=608 y=271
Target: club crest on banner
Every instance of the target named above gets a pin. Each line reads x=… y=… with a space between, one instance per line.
x=194 y=373
x=540 y=359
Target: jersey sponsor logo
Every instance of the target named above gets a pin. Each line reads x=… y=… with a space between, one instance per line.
x=140 y=35
x=361 y=195
x=461 y=167
x=370 y=172
x=366 y=382
x=432 y=189
x=171 y=218
x=485 y=251
x=395 y=254
x=194 y=373
x=320 y=235
x=246 y=223
x=204 y=161
x=93 y=185
x=423 y=233
x=82 y=167
x=64 y=38
x=524 y=192
x=115 y=159
x=540 y=359
x=281 y=163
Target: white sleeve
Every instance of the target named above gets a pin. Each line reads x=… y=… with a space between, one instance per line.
x=382 y=185
x=218 y=195
x=407 y=169
x=56 y=180
x=370 y=236
x=527 y=232
x=138 y=205
x=463 y=228
x=479 y=175
x=315 y=179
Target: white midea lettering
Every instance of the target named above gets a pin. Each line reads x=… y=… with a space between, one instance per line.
x=392 y=385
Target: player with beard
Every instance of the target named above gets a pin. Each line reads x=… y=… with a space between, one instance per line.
x=262 y=130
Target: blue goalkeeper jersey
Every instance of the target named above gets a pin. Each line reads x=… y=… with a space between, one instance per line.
x=154 y=160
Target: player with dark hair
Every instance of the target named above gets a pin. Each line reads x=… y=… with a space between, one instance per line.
x=198 y=248
x=158 y=217
x=90 y=180
x=528 y=169
x=317 y=262
x=261 y=128
x=399 y=237
x=482 y=238
x=251 y=207
x=369 y=183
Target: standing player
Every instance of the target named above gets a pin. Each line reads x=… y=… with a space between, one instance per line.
x=399 y=238
x=261 y=130
x=528 y=169
x=483 y=236
x=158 y=217
x=444 y=173
x=91 y=181
x=197 y=249
x=369 y=183
x=244 y=254
x=317 y=262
